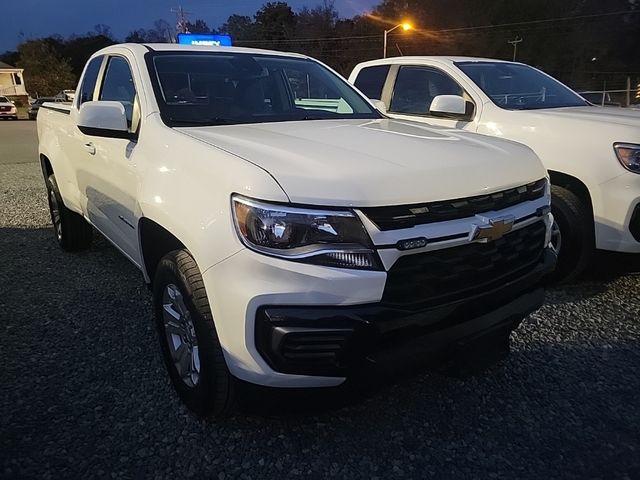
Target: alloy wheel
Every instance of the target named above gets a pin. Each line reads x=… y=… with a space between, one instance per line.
x=180 y=336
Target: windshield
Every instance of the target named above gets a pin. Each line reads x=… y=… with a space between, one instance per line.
x=235 y=88
x=4 y=100
x=515 y=86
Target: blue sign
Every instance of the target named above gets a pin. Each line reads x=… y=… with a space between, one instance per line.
x=205 y=39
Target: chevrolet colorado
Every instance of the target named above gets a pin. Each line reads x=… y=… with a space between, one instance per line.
x=592 y=153
x=292 y=236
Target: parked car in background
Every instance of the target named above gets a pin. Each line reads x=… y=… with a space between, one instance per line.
x=592 y=153
x=292 y=235
x=66 y=95
x=8 y=109
x=35 y=106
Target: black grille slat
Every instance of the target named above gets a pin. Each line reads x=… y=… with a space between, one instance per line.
x=316 y=347
x=449 y=274
x=401 y=216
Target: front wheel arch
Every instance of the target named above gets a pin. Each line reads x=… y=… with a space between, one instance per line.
x=155 y=242
x=574 y=185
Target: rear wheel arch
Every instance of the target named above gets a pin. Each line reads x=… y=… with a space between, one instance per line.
x=45 y=164
x=155 y=242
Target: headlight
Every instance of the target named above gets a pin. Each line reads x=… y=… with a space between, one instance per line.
x=333 y=238
x=629 y=156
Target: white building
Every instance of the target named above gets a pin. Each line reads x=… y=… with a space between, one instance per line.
x=12 y=81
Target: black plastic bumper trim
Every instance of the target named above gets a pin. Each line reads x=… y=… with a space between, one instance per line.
x=335 y=341
x=634 y=223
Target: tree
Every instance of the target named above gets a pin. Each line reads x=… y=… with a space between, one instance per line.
x=160 y=33
x=45 y=73
x=102 y=30
x=79 y=49
x=240 y=27
x=318 y=23
x=199 y=26
x=275 y=21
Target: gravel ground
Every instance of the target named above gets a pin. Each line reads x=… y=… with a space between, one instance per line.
x=85 y=394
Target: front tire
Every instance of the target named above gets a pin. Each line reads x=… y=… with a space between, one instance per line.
x=189 y=341
x=72 y=231
x=573 y=235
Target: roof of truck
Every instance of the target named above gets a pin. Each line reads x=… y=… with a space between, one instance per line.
x=174 y=47
x=432 y=58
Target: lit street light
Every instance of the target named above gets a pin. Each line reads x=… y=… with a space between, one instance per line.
x=405 y=26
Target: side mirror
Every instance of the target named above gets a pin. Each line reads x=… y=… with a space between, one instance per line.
x=380 y=105
x=104 y=119
x=449 y=106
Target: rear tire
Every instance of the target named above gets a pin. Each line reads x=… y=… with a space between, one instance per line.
x=574 y=224
x=72 y=231
x=188 y=338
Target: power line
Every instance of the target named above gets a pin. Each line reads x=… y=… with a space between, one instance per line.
x=454 y=30
x=531 y=22
x=515 y=43
x=181 y=24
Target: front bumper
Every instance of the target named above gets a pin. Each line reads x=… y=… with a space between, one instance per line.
x=341 y=341
x=617 y=214
x=252 y=296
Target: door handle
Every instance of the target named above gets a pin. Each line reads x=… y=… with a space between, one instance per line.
x=90 y=147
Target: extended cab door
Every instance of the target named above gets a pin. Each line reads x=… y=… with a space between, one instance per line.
x=110 y=179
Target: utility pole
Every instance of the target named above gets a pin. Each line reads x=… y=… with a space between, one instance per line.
x=181 y=24
x=515 y=43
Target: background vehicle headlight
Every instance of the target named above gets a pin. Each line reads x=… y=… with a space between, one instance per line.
x=629 y=156
x=334 y=238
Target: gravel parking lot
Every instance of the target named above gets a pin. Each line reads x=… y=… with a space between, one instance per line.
x=85 y=394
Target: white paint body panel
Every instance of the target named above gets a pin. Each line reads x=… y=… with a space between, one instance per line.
x=576 y=141
x=183 y=179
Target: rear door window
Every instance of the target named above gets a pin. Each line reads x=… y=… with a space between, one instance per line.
x=118 y=85
x=89 y=80
x=371 y=80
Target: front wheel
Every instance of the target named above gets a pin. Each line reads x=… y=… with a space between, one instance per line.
x=188 y=337
x=572 y=234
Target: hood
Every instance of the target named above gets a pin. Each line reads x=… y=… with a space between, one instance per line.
x=375 y=162
x=607 y=115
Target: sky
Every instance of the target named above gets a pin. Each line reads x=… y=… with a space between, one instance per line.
x=25 y=19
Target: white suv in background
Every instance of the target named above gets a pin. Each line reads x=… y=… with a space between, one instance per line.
x=592 y=153
x=8 y=109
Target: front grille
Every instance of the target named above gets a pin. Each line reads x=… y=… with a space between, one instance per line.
x=5 y=109
x=407 y=216
x=446 y=275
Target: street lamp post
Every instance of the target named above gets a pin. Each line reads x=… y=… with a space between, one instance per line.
x=405 y=26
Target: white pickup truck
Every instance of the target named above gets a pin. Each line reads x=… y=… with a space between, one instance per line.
x=592 y=153
x=292 y=236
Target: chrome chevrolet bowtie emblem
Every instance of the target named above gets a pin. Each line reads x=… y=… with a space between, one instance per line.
x=491 y=231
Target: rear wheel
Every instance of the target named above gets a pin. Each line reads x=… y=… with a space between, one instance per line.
x=188 y=337
x=572 y=234
x=72 y=231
